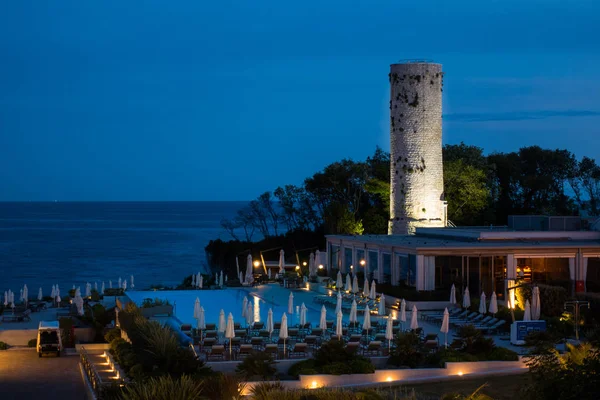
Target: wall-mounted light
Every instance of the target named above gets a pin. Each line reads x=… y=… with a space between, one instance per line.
x=256 y=264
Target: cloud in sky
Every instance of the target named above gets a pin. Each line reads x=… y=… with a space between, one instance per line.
x=519 y=115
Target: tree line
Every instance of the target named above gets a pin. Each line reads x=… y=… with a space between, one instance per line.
x=352 y=197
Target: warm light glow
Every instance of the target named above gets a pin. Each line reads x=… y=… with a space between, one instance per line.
x=256 y=263
x=104 y=355
x=363 y=262
x=297 y=267
x=304 y=263
x=313 y=384
x=352 y=267
x=460 y=373
x=389 y=379
x=320 y=266
x=330 y=292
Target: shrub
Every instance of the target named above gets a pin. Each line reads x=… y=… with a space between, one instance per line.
x=408 y=352
x=164 y=388
x=114 y=333
x=469 y=339
x=95 y=295
x=3 y=346
x=257 y=364
x=32 y=342
x=220 y=386
x=362 y=366
x=501 y=354
x=336 y=368
x=305 y=367
x=262 y=391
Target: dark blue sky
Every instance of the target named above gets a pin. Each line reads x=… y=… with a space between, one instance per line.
x=191 y=100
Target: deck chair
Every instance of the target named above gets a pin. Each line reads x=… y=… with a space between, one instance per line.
x=298 y=350
x=374 y=348
x=352 y=347
x=245 y=351
x=216 y=352
x=272 y=350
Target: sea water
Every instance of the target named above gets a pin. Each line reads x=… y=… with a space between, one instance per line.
x=71 y=243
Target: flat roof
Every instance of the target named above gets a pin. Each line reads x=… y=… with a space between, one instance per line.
x=49 y=325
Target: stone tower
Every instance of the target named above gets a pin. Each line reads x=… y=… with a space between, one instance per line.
x=417 y=181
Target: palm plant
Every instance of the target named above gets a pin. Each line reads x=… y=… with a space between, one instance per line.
x=164 y=388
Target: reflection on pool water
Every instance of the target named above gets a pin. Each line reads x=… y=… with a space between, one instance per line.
x=230 y=300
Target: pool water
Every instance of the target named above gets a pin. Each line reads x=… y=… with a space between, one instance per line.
x=231 y=301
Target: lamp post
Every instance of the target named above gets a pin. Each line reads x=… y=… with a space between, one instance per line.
x=576 y=305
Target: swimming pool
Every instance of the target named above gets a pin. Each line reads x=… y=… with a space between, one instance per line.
x=231 y=300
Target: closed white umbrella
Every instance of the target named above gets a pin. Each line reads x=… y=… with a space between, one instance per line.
x=25 y=294
x=535 y=304
x=96 y=286
x=403 y=311
x=445 y=326
x=338 y=282
x=241 y=278
x=291 y=304
x=79 y=303
x=270 y=322
x=222 y=326
x=58 y=300
x=53 y=292
x=201 y=325
x=353 y=317
x=467 y=299
x=244 y=307
x=281 y=261
x=366 y=291
x=367 y=319
x=249 y=315
x=124 y=284
x=482 y=304
x=230 y=331
x=6 y=299
x=338 y=325
x=414 y=324
x=381 y=310
x=323 y=319
x=119 y=283
x=197 y=309
x=237 y=265
x=225 y=278
x=132 y=286
x=201 y=281
x=355 y=285
x=102 y=288
x=348 y=285
x=110 y=284
x=373 y=293
x=57 y=290
x=40 y=295
x=453 y=294
x=283 y=331
x=193 y=280
x=216 y=278
x=221 y=279
x=317 y=261
x=249 y=272
x=527 y=313
x=88 y=289
x=338 y=306
x=21 y=294
x=493 y=304
x=389 y=331
x=311 y=265
x=302 y=315
x=269 y=273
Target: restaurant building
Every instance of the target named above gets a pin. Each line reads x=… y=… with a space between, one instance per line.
x=540 y=249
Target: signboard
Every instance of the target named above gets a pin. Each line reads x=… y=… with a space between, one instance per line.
x=520 y=329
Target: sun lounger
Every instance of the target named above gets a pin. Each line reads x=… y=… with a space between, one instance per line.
x=311 y=341
x=216 y=352
x=257 y=342
x=211 y=327
x=316 y=332
x=298 y=350
x=353 y=347
x=210 y=334
x=19 y=317
x=272 y=350
x=493 y=328
x=374 y=348
x=245 y=351
x=209 y=342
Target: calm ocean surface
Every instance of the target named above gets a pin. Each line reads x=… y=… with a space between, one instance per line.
x=72 y=243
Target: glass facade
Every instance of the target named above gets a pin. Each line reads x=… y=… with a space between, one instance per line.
x=373 y=262
x=412 y=270
x=545 y=270
x=334 y=261
x=402 y=272
x=347 y=259
x=499 y=275
x=593 y=275
x=386 y=261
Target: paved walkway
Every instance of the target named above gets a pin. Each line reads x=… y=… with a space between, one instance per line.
x=25 y=376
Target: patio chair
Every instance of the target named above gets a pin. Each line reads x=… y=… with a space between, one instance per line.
x=209 y=342
x=311 y=341
x=374 y=348
x=298 y=350
x=245 y=351
x=272 y=350
x=216 y=352
x=431 y=341
x=316 y=332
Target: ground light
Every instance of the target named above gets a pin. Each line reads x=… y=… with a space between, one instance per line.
x=459 y=373
x=314 y=384
x=389 y=379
